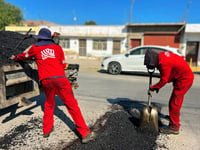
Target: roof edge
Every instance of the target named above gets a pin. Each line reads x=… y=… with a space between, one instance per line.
x=155 y=24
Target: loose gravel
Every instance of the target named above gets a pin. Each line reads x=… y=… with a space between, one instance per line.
x=118 y=133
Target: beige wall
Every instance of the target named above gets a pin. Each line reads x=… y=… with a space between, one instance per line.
x=22 y=29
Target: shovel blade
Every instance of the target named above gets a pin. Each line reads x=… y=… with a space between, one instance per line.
x=149 y=118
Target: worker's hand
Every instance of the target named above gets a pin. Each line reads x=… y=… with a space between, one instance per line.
x=66 y=67
x=151 y=90
x=11 y=57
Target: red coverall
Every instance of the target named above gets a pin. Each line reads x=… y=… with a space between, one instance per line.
x=51 y=63
x=175 y=69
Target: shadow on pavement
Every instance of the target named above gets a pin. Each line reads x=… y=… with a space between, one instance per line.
x=131 y=73
x=39 y=103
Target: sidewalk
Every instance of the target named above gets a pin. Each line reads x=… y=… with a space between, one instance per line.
x=94 y=64
x=86 y=63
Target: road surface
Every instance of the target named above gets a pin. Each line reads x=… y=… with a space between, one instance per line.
x=97 y=92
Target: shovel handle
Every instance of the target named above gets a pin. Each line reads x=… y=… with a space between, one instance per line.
x=150 y=71
x=23 y=38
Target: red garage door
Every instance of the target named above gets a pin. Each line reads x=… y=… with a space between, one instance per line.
x=135 y=43
x=163 y=40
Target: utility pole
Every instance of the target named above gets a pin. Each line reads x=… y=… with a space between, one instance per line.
x=187 y=11
x=131 y=10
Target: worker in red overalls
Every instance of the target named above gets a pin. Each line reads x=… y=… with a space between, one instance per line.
x=175 y=69
x=51 y=63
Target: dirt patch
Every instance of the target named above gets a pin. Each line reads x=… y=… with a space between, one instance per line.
x=18 y=136
x=87 y=63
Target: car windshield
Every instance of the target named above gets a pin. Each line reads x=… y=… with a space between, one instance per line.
x=157 y=50
x=139 y=51
x=142 y=51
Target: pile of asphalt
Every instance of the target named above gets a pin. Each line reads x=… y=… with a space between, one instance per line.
x=13 y=43
x=118 y=133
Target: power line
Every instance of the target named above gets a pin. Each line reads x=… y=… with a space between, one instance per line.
x=187 y=11
x=131 y=10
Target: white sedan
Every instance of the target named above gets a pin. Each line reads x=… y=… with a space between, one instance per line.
x=132 y=60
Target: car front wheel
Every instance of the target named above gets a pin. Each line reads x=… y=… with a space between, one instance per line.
x=114 y=68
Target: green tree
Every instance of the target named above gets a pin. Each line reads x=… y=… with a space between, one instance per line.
x=9 y=14
x=90 y=23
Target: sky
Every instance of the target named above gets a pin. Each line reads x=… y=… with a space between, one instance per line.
x=110 y=12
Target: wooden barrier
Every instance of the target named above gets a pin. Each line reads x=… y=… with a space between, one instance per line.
x=16 y=85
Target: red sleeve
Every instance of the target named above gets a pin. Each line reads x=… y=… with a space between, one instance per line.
x=20 y=57
x=63 y=58
x=165 y=71
x=25 y=55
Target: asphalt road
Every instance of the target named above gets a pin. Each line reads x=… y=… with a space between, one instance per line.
x=114 y=88
x=21 y=127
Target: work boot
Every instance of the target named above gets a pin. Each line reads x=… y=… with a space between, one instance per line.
x=167 y=117
x=168 y=130
x=48 y=134
x=25 y=101
x=88 y=138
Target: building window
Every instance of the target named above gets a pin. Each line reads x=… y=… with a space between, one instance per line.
x=116 y=46
x=64 y=43
x=99 y=44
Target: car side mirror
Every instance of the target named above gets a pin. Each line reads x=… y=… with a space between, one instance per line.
x=127 y=54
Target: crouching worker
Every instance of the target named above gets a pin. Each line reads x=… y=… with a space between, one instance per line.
x=51 y=63
x=175 y=69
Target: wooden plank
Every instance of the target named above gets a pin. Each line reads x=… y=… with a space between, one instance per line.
x=14 y=74
x=17 y=81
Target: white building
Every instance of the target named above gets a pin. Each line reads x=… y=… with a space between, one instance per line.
x=191 y=47
x=91 y=40
x=100 y=41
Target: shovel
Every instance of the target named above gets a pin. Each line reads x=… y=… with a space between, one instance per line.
x=23 y=38
x=149 y=115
